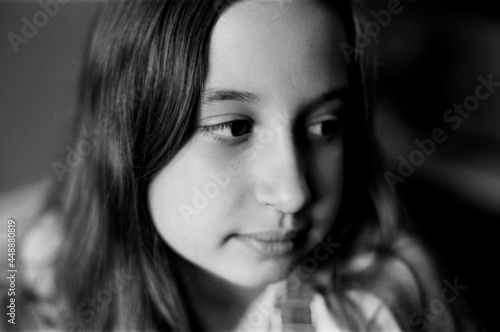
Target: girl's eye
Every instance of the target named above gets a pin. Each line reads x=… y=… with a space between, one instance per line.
x=326 y=128
x=228 y=132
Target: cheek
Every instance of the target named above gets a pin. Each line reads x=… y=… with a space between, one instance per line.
x=186 y=201
x=326 y=171
x=169 y=212
x=326 y=177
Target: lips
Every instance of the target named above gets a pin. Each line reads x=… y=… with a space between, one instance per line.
x=274 y=242
x=274 y=235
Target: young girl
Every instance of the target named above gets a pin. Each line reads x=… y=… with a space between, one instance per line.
x=226 y=179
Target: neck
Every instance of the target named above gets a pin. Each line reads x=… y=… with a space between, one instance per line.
x=218 y=304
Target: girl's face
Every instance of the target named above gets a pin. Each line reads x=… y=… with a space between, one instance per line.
x=260 y=182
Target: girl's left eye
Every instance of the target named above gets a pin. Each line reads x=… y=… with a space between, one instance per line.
x=227 y=132
x=326 y=128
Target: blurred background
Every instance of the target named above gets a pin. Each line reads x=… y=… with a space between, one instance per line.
x=430 y=55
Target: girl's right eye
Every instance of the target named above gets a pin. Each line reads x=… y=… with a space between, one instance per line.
x=228 y=132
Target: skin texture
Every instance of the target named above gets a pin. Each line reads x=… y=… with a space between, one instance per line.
x=283 y=170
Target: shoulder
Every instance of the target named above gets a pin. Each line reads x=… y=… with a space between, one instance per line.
x=263 y=314
x=37 y=239
x=373 y=310
x=38 y=254
x=33 y=229
x=376 y=311
x=37 y=234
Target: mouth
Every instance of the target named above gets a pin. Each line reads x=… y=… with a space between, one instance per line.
x=273 y=243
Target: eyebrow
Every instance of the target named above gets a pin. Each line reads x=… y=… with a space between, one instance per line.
x=218 y=95
x=338 y=93
x=215 y=95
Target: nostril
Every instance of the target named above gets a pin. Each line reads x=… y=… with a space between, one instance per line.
x=288 y=197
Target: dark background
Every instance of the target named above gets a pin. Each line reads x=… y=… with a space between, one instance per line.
x=429 y=58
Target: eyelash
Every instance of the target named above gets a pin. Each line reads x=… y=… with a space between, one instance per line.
x=209 y=130
x=335 y=122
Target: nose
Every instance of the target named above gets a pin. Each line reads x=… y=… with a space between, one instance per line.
x=279 y=171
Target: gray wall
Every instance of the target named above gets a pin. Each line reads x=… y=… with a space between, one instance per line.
x=38 y=86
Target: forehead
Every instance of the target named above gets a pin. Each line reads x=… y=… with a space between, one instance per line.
x=256 y=45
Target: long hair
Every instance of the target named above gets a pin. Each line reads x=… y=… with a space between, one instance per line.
x=141 y=88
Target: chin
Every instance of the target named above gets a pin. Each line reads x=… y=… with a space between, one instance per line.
x=258 y=277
